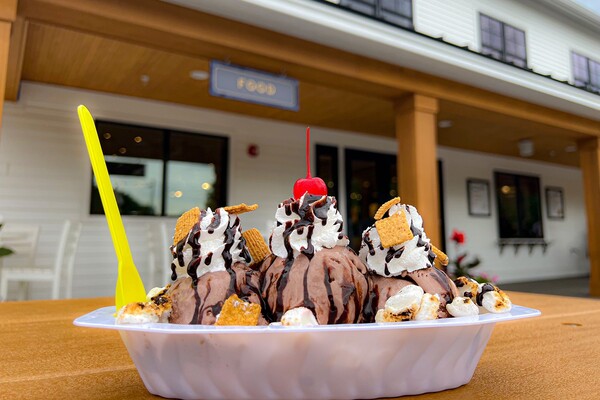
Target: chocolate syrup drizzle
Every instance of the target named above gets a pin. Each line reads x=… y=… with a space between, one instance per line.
x=484 y=289
x=243 y=289
x=312 y=206
x=370 y=306
x=393 y=252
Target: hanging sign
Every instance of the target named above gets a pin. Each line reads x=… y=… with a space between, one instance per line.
x=253 y=86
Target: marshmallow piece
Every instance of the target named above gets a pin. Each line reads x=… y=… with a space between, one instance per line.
x=496 y=301
x=155 y=292
x=299 y=316
x=403 y=305
x=462 y=307
x=141 y=313
x=428 y=310
x=467 y=287
x=380 y=316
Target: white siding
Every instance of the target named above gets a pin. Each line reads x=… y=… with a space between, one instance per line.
x=45 y=178
x=45 y=173
x=550 y=37
x=566 y=254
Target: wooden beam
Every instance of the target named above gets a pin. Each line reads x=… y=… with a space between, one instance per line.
x=589 y=153
x=416 y=131
x=16 y=52
x=8 y=10
x=186 y=31
x=4 y=42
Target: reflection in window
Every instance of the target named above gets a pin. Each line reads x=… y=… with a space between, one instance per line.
x=327 y=168
x=502 y=41
x=519 y=206
x=161 y=172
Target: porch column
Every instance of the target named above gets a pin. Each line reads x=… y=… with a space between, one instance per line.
x=416 y=132
x=8 y=13
x=589 y=159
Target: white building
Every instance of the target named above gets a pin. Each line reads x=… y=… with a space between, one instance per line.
x=377 y=80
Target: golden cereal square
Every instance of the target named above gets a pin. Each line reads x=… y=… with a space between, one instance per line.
x=256 y=245
x=238 y=312
x=185 y=223
x=240 y=208
x=385 y=207
x=441 y=256
x=393 y=230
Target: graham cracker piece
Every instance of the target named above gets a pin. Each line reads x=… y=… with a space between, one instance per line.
x=385 y=207
x=441 y=256
x=240 y=208
x=238 y=312
x=256 y=245
x=185 y=223
x=393 y=230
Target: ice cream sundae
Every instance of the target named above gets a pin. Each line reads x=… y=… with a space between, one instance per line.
x=308 y=275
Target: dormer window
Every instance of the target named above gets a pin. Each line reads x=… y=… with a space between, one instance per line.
x=397 y=12
x=586 y=72
x=502 y=41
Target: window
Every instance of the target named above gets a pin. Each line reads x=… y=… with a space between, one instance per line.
x=397 y=12
x=161 y=172
x=519 y=206
x=327 y=168
x=502 y=41
x=586 y=72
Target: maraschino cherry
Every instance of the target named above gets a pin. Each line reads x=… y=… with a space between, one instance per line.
x=309 y=184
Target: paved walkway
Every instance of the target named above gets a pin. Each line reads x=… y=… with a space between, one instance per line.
x=576 y=287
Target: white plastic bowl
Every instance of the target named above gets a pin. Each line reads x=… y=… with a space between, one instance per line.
x=320 y=362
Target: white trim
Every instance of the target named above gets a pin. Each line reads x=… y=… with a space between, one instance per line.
x=326 y=25
x=575 y=12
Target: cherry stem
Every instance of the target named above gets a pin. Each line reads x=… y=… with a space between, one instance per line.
x=308 y=152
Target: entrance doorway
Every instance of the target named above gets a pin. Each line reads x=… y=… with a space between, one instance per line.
x=371 y=180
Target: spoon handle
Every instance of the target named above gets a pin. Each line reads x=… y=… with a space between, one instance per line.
x=129 y=284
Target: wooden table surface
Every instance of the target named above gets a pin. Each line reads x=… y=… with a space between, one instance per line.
x=555 y=356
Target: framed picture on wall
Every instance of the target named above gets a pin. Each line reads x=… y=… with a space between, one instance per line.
x=555 y=204
x=478 y=196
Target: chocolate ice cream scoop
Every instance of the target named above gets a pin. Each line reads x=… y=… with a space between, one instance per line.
x=332 y=284
x=201 y=303
x=311 y=265
x=382 y=288
x=207 y=241
x=397 y=253
x=210 y=263
x=435 y=281
x=431 y=280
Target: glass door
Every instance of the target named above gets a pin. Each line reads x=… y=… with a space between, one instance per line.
x=371 y=180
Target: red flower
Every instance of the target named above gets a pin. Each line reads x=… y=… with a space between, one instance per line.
x=458 y=237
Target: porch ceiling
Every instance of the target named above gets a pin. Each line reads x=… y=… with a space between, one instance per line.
x=73 y=58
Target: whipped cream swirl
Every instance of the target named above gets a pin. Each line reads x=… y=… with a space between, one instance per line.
x=307 y=225
x=214 y=243
x=408 y=256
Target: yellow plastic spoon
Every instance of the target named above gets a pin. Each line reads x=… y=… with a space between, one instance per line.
x=129 y=284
